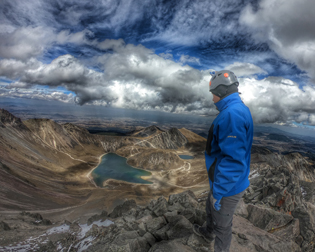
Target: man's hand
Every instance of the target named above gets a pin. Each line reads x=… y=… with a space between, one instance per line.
x=216 y=204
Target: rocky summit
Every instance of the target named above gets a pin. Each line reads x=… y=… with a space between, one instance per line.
x=166 y=225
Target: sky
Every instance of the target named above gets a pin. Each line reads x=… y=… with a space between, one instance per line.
x=157 y=55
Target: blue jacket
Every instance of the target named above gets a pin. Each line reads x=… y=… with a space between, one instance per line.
x=228 y=148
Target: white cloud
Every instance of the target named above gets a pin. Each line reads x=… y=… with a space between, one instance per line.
x=23 y=90
x=288 y=27
x=245 y=69
x=277 y=99
x=312 y=120
x=188 y=59
x=197 y=22
x=24 y=43
x=135 y=77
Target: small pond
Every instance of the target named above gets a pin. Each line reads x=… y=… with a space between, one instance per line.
x=113 y=166
x=186 y=157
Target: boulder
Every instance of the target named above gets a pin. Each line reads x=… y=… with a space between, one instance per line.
x=175 y=207
x=155 y=224
x=247 y=237
x=199 y=244
x=200 y=217
x=149 y=238
x=180 y=228
x=160 y=207
x=267 y=219
x=289 y=232
x=4 y=226
x=124 y=237
x=46 y=222
x=306 y=216
x=161 y=233
x=189 y=214
x=121 y=209
x=308 y=191
x=171 y=246
x=241 y=209
x=187 y=199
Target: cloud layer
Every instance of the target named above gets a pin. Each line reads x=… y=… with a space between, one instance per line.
x=157 y=55
x=135 y=77
x=288 y=27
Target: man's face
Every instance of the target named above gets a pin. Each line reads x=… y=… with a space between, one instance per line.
x=215 y=98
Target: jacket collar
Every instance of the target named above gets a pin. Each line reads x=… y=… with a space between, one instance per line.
x=225 y=102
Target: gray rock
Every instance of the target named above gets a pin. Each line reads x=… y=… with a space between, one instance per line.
x=189 y=214
x=171 y=218
x=149 y=238
x=187 y=199
x=113 y=248
x=151 y=204
x=97 y=217
x=267 y=219
x=201 y=217
x=160 y=207
x=308 y=191
x=171 y=246
x=46 y=222
x=155 y=224
x=199 y=244
x=180 y=228
x=289 y=232
x=121 y=209
x=161 y=233
x=306 y=216
x=142 y=229
x=241 y=209
x=308 y=246
x=169 y=214
x=129 y=218
x=175 y=207
x=140 y=244
x=144 y=219
x=247 y=237
x=143 y=213
x=4 y=226
x=299 y=240
x=125 y=237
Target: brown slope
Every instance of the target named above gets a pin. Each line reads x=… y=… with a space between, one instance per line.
x=52 y=160
x=195 y=143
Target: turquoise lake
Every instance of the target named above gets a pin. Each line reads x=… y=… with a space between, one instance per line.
x=113 y=166
x=186 y=157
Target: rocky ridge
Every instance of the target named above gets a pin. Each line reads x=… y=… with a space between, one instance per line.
x=277 y=213
x=166 y=225
x=51 y=160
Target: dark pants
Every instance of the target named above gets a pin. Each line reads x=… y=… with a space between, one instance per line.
x=220 y=222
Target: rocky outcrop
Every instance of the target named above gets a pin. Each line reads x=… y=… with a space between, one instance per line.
x=9 y=120
x=171 y=139
x=4 y=226
x=148 y=131
x=154 y=160
x=308 y=191
x=280 y=200
x=166 y=225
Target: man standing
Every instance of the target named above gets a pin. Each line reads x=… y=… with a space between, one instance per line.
x=227 y=158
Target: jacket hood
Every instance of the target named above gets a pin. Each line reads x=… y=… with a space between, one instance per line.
x=232 y=98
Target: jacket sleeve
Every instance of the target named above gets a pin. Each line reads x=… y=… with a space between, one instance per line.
x=231 y=136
